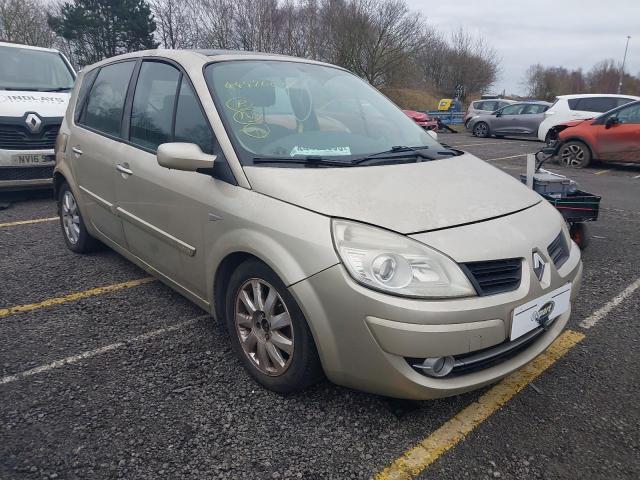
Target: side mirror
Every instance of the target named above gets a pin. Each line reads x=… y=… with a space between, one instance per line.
x=433 y=134
x=610 y=122
x=184 y=156
x=498 y=113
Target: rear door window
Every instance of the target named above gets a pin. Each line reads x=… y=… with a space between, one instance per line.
x=596 y=104
x=105 y=104
x=534 y=109
x=153 y=105
x=490 y=106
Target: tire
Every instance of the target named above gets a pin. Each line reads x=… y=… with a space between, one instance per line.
x=257 y=342
x=73 y=227
x=580 y=234
x=574 y=154
x=481 y=129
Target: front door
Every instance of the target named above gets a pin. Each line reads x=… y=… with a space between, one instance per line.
x=163 y=211
x=621 y=141
x=95 y=148
x=531 y=118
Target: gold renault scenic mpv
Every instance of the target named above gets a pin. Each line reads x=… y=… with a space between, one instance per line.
x=329 y=232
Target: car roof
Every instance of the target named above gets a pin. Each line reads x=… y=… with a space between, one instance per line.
x=200 y=56
x=28 y=47
x=587 y=95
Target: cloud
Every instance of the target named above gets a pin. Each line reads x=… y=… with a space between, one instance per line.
x=569 y=33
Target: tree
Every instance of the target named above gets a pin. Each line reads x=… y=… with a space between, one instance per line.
x=25 y=22
x=98 y=29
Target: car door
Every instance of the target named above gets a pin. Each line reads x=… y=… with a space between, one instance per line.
x=531 y=118
x=620 y=141
x=506 y=119
x=163 y=211
x=96 y=144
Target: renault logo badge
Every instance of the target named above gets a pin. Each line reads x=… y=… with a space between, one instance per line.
x=538 y=265
x=34 y=122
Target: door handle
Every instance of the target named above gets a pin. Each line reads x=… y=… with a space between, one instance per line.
x=124 y=168
x=76 y=150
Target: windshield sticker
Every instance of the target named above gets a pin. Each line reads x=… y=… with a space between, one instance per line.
x=244 y=115
x=255 y=84
x=322 y=152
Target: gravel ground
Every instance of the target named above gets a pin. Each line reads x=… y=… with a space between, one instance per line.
x=178 y=404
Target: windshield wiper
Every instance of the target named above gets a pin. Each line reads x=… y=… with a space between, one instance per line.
x=56 y=89
x=31 y=89
x=403 y=152
x=311 y=161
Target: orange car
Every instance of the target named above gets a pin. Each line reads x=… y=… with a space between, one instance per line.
x=613 y=136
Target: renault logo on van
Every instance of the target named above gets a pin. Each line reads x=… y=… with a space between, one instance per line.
x=538 y=265
x=34 y=122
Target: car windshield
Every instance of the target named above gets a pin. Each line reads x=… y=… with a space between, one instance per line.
x=293 y=110
x=33 y=70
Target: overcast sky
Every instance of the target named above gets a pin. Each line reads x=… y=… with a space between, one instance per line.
x=571 y=33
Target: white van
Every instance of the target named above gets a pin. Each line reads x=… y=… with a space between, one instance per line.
x=567 y=108
x=35 y=84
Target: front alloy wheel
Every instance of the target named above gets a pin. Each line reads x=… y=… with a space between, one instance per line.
x=481 y=129
x=263 y=325
x=574 y=155
x=268 y=330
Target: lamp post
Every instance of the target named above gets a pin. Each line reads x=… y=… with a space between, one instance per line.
x=624 y=59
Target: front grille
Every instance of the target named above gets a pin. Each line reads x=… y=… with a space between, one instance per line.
x=558 y=250
x=17 y=137
x=494 y=276
x=26 y=173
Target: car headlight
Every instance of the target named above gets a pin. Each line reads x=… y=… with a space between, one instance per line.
x=396 y=264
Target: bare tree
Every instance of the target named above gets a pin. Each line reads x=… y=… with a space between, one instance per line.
x=25 y=22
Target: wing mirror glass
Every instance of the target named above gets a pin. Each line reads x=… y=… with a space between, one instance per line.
x=187 y=157
x=611 y=121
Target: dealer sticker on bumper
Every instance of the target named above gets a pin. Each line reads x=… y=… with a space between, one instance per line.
x=541 y=311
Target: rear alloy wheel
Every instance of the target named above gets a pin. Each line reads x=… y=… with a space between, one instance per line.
x=73 y=228
x=574 y=154
x=268 y=330
x=481 y=129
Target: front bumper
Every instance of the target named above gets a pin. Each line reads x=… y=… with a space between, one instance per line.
x=367 y=339
x=17 y=176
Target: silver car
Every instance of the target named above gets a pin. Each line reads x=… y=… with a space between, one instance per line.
x=519 y=119
x=480 y=107
x=327 y=240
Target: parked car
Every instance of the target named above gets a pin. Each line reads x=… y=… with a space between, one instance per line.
x=325 y=240
x=481 y=107
x=519 y=119
x=567 y=108
x=34 y=91
x=613 y=136
x=422 y=119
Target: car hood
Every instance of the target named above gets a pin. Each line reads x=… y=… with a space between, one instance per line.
x=406 y=198
x=46 y=104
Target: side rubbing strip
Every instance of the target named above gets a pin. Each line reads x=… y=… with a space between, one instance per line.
x=98 y=199
x=156 y=232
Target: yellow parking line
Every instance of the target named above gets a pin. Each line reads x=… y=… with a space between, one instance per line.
x=416 y=459
x=28 y=222
x=72 y=297
x=601 y=172
x=507 y=158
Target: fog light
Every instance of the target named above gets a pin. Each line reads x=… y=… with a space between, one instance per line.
x=436 y=366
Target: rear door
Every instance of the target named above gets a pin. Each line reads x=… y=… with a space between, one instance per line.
x=531 y=118
x=96 y=144
x=621 y=141
x=164 y=211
